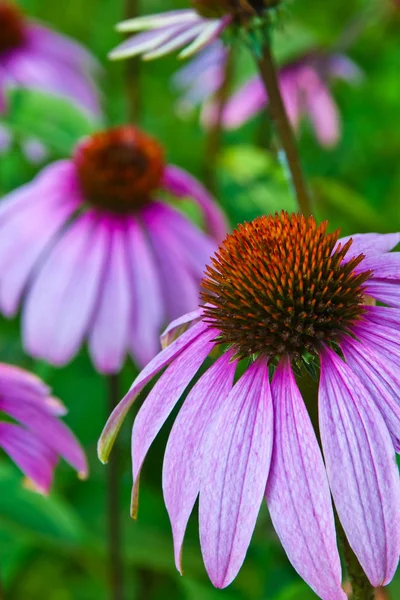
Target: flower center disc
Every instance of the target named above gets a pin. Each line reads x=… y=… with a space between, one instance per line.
x=12 y=32
x=118 y=169
x=278 y=286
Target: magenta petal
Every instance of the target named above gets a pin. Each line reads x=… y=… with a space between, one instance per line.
x=235 y=465
x=35 y=459
x=386 y=291
x=181 y=184
x=382 y=315
x=46 y=428
x=61 y=300
x=160 y=361
x=370 y=243
x=179 y=326
x=161 y=401
x=297 y=493
x=109 y=330
x=183 y=455
x=243 y=105
x=381 y=378
x=361 y=467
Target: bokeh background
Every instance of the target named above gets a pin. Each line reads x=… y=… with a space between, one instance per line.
x=55 y=548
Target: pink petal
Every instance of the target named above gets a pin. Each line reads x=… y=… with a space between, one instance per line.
x=370 y=243
x=244 y=104
x=236 y=460
x=147 y=311
x=298 y=493
x=380 y=378
x=61 y=300
x=161 y=401
x=180 y=290
x=48 y=429
x=361 y=467
x=183 y=455
x=35 y=459
x=179 y=326
x=183 y=185
x=109 y=330
x=160 y=361
x=321 y=108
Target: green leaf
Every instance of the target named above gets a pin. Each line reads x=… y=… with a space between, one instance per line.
x=56 y=122
x=29 y=513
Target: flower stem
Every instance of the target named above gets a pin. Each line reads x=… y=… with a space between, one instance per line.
x=132 y=70
x=361 y=587
x=277 y=109
x=214 y=137
x=114 y=534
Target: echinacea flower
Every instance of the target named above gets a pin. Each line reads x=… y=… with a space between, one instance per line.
x=282 y=294
x=96 y=252
x=190 y=29
x=33 y=56
x=303 y=85
x=36 y=437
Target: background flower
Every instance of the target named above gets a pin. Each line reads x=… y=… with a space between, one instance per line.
x=97 y=253
x=37 y=438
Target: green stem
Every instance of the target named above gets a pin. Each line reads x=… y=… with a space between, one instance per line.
x=132 y=70
x=278 y=113
x=114 y=532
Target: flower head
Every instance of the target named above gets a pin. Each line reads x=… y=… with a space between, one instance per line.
x=34 y=56
x=303 y=85
x=282 y=296
x=95 y=252
x=189 y=29
x=37 y=438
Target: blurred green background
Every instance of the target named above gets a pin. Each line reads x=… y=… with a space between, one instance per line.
x=55 y=548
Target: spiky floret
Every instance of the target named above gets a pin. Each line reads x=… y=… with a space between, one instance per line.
x=12 y=32
x=278 y=286
x=119 y=168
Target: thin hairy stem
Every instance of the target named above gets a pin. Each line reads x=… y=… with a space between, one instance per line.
x=114 y=533
x=278 y=113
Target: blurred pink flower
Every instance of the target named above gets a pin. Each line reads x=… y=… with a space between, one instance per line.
x=97 y=253
x=34 y=56
x=163 y=33
x=281 y=295
x=303 y=86
x=37 y=438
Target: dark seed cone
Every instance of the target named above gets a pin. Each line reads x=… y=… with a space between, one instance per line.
x=278 y=286
x=12 y=33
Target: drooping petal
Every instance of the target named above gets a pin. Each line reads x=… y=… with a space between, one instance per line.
x=48 y=429
x=361 y=468
x=179 y=288
x=235 y=465
x=61 y=300
x=161 y=401
x=27 y=234
x=370 y=243
x=243 y=105
x=297 y=493
x=382 y=315
x=183 y=455
x=321 y=108
x=179 y=326
x=383 y=339
x=381 y=379
x=181 y=184
x=148 y=311
x=109 y=330
x=35 y=459
x=160 y=361
x=171 y=17
x=210 y=32
x=145 y=42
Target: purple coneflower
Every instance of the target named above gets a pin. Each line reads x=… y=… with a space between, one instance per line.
x=303 y=87
x=34 y=56
x=97 y=253
x=282 y=293
x=37 y=438
x=191 y=29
